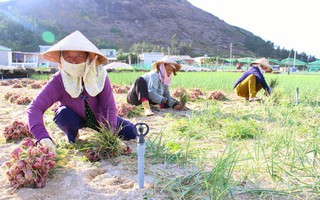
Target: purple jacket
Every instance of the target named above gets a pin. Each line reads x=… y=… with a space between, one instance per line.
x=103 y=105
x=259 y=77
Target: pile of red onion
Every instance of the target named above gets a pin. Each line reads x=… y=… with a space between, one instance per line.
x=123 y=109
x=29 y=165
x=16 y=131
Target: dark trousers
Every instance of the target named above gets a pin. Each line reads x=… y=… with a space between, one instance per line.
x=139 y=91
x=70 y=123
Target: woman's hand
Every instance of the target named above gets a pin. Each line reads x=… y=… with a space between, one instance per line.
x=46 y=142
x=178 y=106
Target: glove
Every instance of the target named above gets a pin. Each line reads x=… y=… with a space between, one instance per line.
x=270 y=90
x=178 y=106
x=46 y=142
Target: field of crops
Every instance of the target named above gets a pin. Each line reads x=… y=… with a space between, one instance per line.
x=266 y=149
x=308 y=84
x=214 y=149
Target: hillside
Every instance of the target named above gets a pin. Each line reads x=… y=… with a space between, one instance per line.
x=122 y=23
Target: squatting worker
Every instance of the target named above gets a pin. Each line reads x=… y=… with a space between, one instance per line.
x=153 y=87
x=252 y=81
x=83 y=92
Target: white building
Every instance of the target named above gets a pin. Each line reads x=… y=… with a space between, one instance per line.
x=182 y=59
x=24 y=59
x=43 y=62
x=18 y=59
x=5 y=55
x=200 y=60
x=111 y=54
x=150 y=57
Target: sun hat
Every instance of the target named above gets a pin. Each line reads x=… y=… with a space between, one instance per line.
x=264 y=62
x=76 y=41
x=167 y=60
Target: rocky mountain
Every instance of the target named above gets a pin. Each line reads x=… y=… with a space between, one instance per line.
x=123 y=23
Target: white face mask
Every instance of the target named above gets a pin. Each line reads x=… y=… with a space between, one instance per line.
x=76 y=70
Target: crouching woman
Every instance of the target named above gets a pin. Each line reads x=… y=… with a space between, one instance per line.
x=153 y=87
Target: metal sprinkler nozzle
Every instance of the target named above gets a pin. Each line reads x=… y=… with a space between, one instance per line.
x=142 y=130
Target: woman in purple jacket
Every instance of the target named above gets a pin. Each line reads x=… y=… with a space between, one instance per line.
x=252 y=81
x=83 y=91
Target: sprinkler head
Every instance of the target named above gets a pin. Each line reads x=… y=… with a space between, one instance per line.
x=142 y=130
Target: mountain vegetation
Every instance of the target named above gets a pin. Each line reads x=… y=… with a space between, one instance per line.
x=170 y=26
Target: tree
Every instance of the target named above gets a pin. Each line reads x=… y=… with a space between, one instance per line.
x=173 y=45
x=213 y=61
x=185 y=49
x=141 y=47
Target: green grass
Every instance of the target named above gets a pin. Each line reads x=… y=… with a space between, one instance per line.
x=268 y=151
x=272 y=155
x=43 y=77
x=224 y=81
x=224 y=150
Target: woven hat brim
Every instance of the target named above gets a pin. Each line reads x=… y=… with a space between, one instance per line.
x=264 y=62
x=76 y=41
x=177 y=66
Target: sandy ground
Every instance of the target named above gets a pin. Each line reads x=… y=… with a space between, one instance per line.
x=80 y=179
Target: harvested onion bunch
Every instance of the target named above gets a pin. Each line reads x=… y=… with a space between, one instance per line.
x=16 y=131
x=29 y=165
x=216 y=95
x=124 y=109
x=184 y=98
x=102 y=145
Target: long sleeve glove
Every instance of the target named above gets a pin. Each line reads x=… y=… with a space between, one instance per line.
x=270 y=90
x=46 y=142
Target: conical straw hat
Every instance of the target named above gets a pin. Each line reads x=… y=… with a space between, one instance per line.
x=76 y=41
x=264 y=62
x=166 y=59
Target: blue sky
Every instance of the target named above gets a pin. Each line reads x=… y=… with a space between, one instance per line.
x=291 y=24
